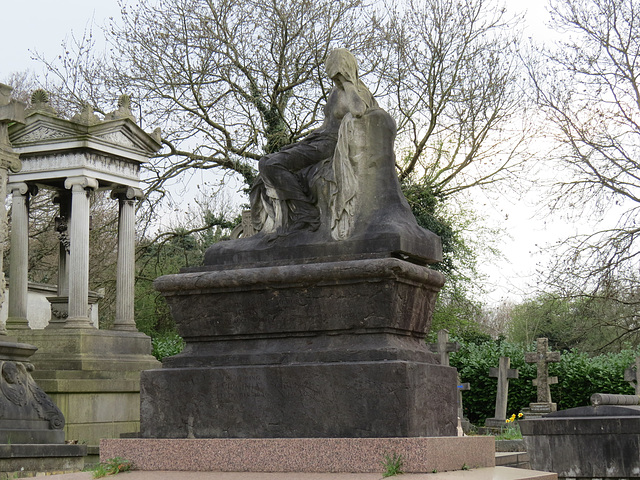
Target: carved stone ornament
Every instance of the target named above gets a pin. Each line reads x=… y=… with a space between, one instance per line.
x=118 y=138
x=62 y=226
x=23 y=399
x=40 y=103
x=43 y=133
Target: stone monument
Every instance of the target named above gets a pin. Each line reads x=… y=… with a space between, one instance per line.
x=503 y=373
x=542 y=357
x=315 y=325
x=11 y=112
x=92 y=374
x=31 y=425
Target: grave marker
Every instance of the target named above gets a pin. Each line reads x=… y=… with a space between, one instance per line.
x=503 y=373
x=444 y=347
x=631 y=375
x=542 y=357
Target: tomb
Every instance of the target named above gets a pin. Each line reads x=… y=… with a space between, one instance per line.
x=91 y=374
x=597 y=441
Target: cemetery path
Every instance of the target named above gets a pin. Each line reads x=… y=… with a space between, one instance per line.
x=496 y=473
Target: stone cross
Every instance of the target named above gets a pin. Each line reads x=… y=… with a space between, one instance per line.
x=542 y=357
x=444 y=347
x=11 y=111
x=632 y=375
x=462 y=387
x=503 y=373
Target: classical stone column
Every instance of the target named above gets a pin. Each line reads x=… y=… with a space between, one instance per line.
x=19 y=257
x=79 y=251
x=125 y=279
x=11 y=111
x=63 y=199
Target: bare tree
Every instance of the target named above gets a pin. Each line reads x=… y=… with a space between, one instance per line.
x=228 y=80
x=453 y=82
x=588 y=88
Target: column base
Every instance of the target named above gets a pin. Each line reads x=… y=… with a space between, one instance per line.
x=17 y=323
x=124 y=326
x=79 y=322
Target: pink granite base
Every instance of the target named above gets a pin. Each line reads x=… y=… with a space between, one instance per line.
x=304 y=455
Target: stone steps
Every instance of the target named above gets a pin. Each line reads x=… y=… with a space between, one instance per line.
x=513 y=459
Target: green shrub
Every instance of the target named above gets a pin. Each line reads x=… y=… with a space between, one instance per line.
x=167 y=345
x=579 y=376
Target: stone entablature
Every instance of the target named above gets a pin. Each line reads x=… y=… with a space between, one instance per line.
x=107 y=170
x=110 y=151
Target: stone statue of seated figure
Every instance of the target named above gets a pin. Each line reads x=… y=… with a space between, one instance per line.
x=281 y=199
x=333 y=195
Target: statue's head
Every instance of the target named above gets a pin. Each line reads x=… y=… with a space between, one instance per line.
x=341 y=60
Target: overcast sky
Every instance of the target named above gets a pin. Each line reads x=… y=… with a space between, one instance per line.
x=42 y=25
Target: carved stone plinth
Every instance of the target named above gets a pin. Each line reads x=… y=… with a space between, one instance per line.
x=331 y=349
x=28 y=414
x=94 y=377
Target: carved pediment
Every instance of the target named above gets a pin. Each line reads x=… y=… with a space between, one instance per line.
x=40 y=133
x=122 y=137
x=119 y=138
x=40 y=129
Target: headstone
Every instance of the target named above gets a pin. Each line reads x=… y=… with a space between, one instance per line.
x=632 y=375
x=542 y=357
x=443 y=347
x=463 y=421
x=503 y=373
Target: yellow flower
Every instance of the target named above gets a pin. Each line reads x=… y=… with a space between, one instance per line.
x=520 y=415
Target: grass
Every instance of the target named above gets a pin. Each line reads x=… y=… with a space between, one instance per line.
x=111 y=467
x=392 y=464
x=510 y=432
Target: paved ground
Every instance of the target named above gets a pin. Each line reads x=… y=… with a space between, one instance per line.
x=497 y=473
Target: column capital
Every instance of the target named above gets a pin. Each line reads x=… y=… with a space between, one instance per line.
x=80 y=182
x=22 y=188
x=18 y=188
x=126 y=193
x=9 y=160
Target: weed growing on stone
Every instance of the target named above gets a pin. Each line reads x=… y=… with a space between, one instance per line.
x=511 y=430
x=392 y=464
x=111 y=467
